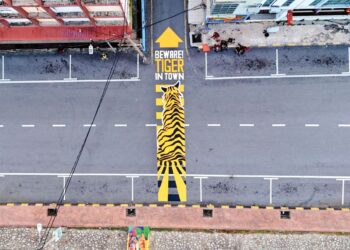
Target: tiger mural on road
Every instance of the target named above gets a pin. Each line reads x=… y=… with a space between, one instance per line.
x=171 y=155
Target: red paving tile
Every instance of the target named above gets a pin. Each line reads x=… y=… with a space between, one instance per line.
x=179 y=218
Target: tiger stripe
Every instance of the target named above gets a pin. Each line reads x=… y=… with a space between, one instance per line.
x=171 y=146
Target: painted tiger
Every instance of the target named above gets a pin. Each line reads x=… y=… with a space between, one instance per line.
x=171 y=155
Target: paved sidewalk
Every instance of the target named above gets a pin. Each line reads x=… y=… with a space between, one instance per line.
x=223 y=218
x=105 y=239
x=251 y=34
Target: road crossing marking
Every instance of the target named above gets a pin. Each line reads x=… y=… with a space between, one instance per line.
x=214 y=125
x=159 y=115
x=343 y=125
x=58 y=125
x=312 y=125
x=151 y=125
x=246 y=125
x=28 y=125
x=278 y=125
x=120 y=125
x=89 y=125
x=171 y=150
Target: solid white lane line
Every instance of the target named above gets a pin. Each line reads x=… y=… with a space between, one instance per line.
x=120 y=125
x=1 y=125
x=58 y=125
x=28 y=125
x=278 y=125
x=214 y=125
x=89 y=125
x=150 y=125
x=246 y=125
x=312 y=125
x=343 y=125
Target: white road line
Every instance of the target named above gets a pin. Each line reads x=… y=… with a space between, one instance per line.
x=312 y=125
x=189 y=175
x=1 y=125
x=214 y=125
x=133 y=79
x=89 y=125
x=343 y=125
x=28 y=125
x=278 y=125
x=58 y=125
x=187 y=125
x=120 y=125
x=274 y=76
x=150 y=125
x=246 y=125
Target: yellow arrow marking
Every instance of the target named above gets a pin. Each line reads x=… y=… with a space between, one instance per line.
x=169 y=39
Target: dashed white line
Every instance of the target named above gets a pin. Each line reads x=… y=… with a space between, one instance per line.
x=58 y=125
x=1 y=125
x=214 y=125
x=278 y=125
x=150 y=125
x=187 y=125
x=312 y=125
x=120 y=125
x=89 y=125
x=246 y=125
x=343 y=125
x=28 y=125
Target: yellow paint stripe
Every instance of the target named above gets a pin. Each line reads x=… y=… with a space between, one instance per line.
x=210 y=206
x=110 y=205
x=239 y=207
x=284 y=208
x=152 y=205
x=10 y=204
x=124 y=205
x=159 y=115
x=164 y=186
x=67 y=205
x=167 y=205
x=81 y=205
x=345 y=209
x=196 y=206
x=270 y=207
x=330 y=209
x=158 y=87
x=159 y=127
x=225 y=206
x=180 y=184
x=182 y=170
x=95 y=205
x=315 y=209
x=138 y=205
x=254 y=207
x=39 y=204
x=24 y=204
x=299 y=208
x=159 y=102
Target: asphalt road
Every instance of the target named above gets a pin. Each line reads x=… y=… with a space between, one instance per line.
x=272 y=127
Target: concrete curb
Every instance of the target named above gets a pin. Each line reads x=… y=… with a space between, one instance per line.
x=168 y=205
